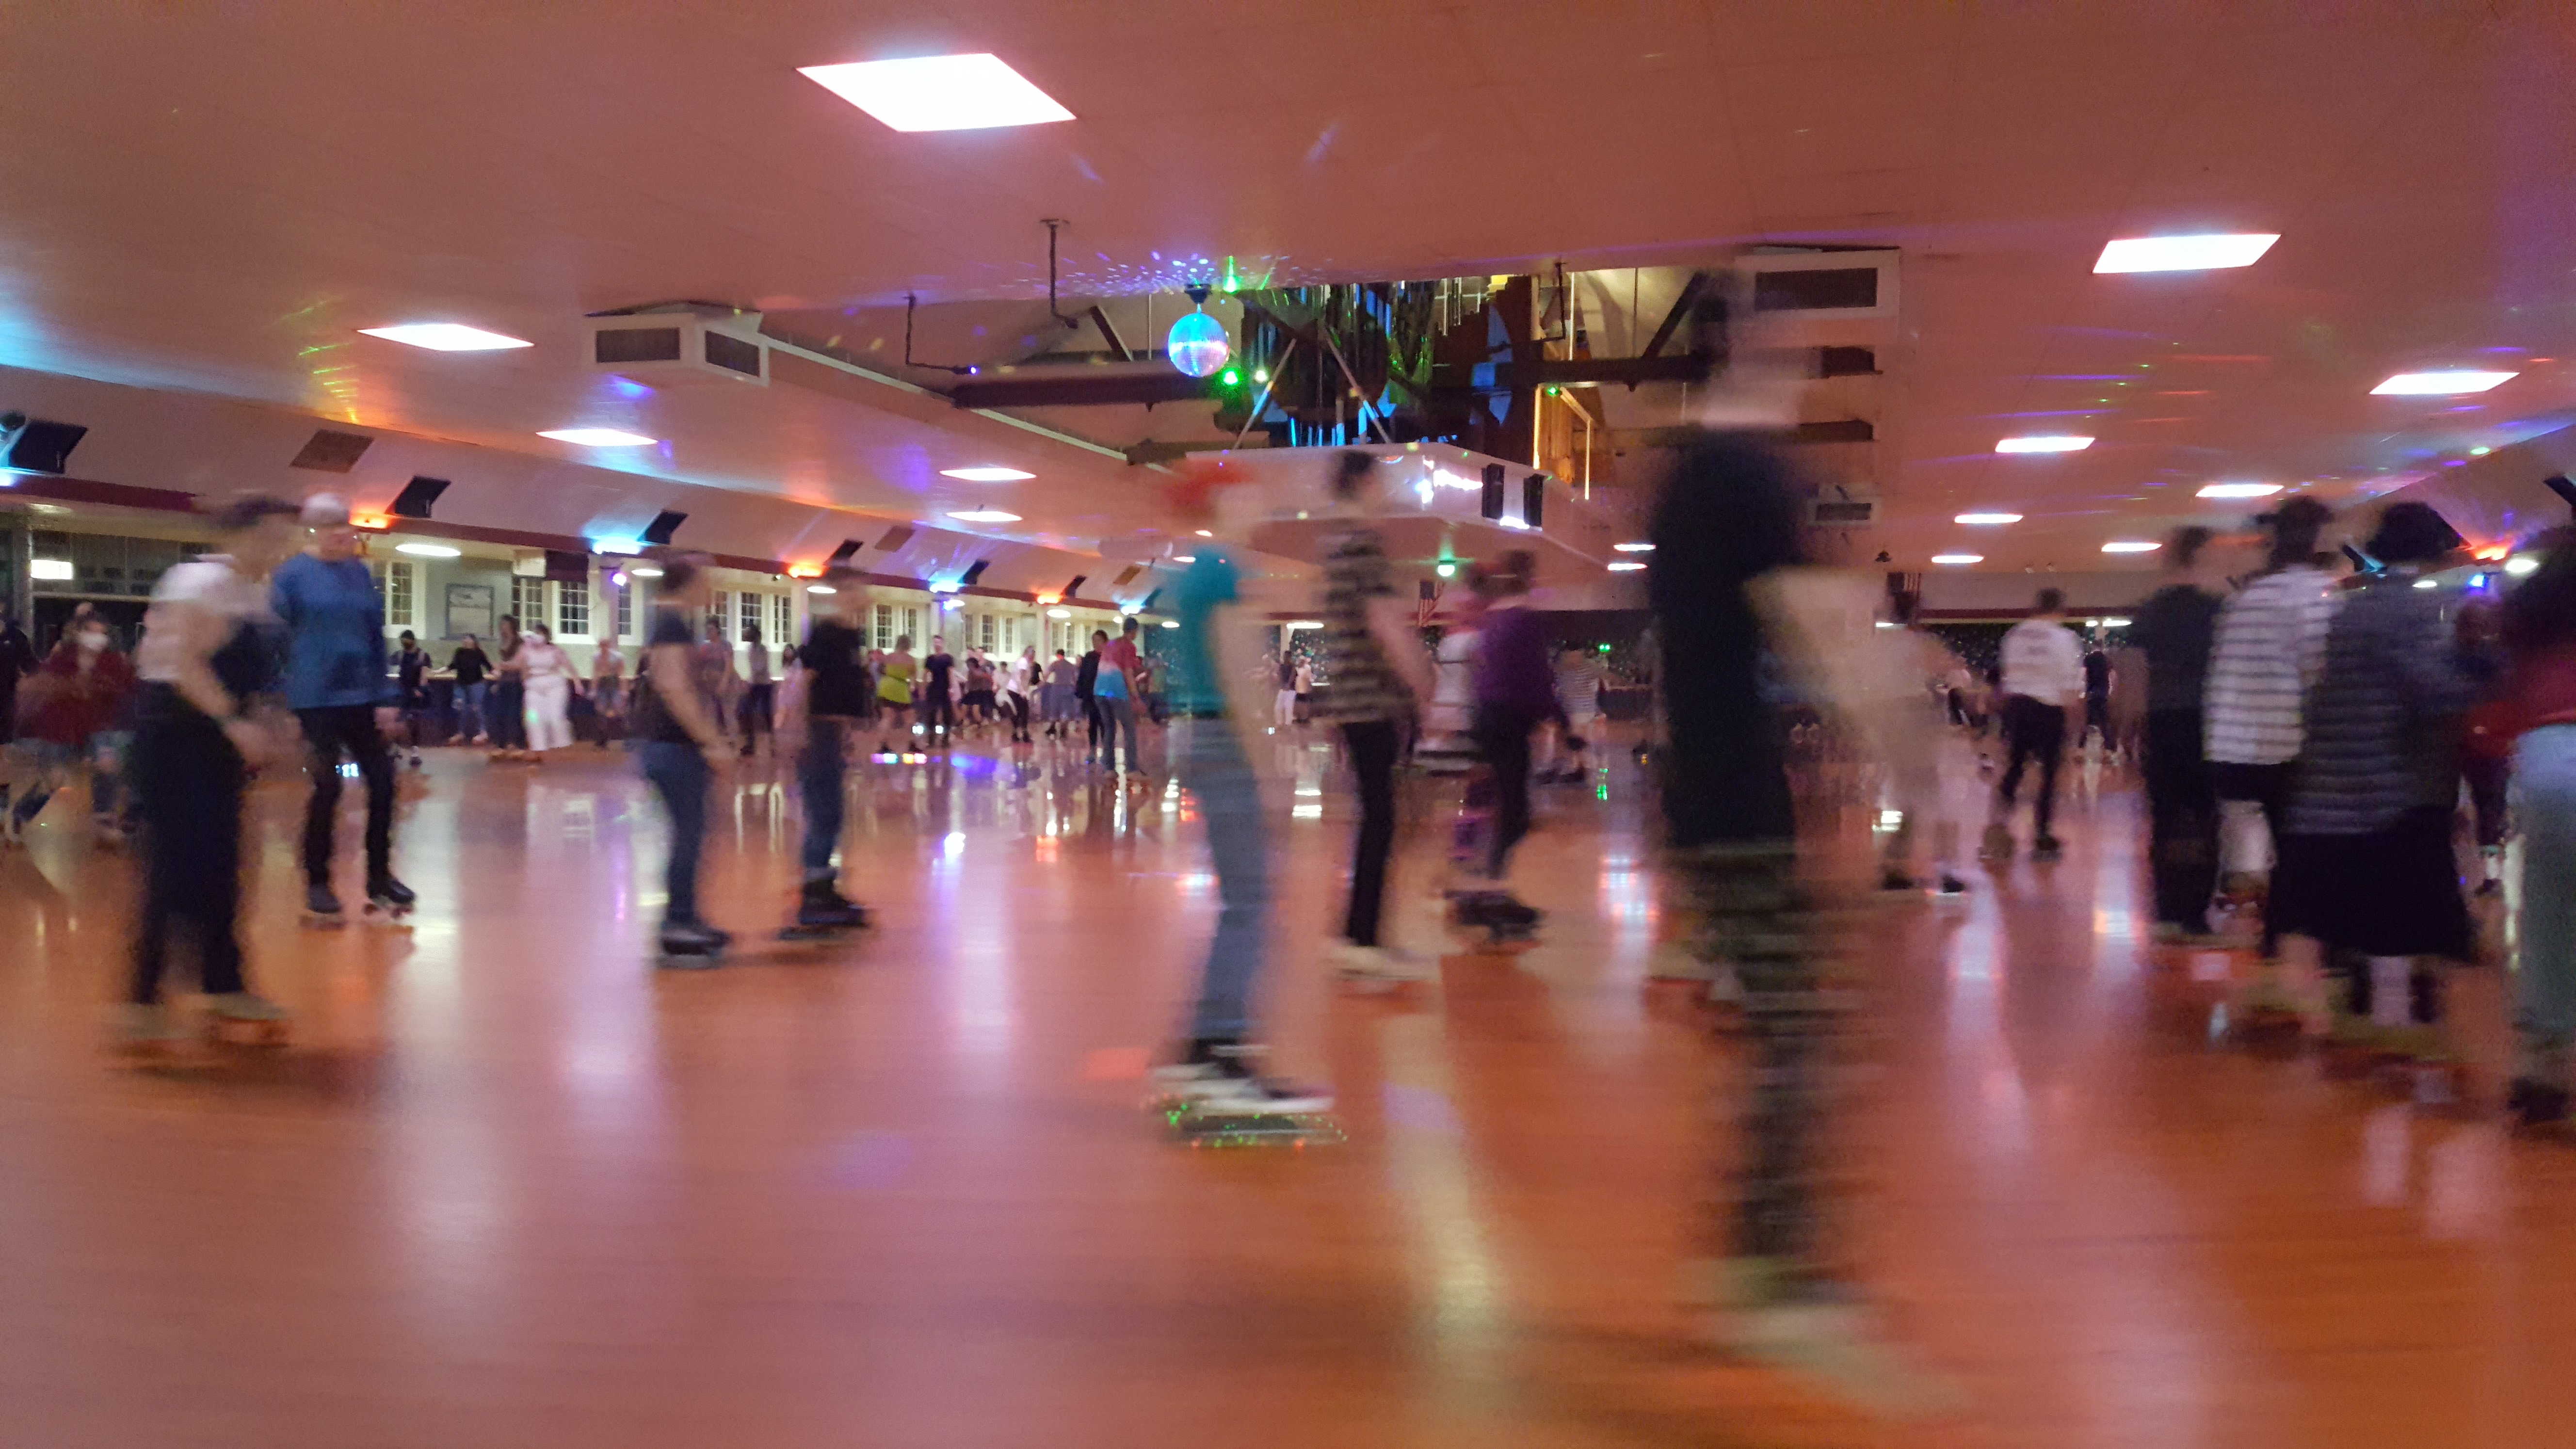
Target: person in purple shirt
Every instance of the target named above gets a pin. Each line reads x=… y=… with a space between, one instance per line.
x=1515 y=692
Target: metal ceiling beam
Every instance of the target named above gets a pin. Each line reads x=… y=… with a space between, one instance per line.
x=1673 y=319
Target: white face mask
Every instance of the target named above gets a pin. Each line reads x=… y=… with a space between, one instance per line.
x=93 y=640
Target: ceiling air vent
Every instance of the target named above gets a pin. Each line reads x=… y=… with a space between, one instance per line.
x=1800 y=290
x=417 y=497
x=1126 y=576
x=1842 y=512
x=658 y=348
x=330 y=452
x=896 y=537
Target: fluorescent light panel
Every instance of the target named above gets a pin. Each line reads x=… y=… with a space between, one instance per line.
x=445 y=337
x=2198 y=253
x=2521 y=564
x=1958 y=558
x=1634 y=547
x=2450 y=382
x=1987 y=520
x=1625 y=566
x=645 y=571
x=985 y=515
x=2239 y=490
x=2131 y=545
x=2050 y=443
x=598 y=438
x=939 y=92
x=56 y=570
x=426 y=550
x=986 y=475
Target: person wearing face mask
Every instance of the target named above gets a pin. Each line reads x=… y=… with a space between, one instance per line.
x=340 y=686
x=70 y=704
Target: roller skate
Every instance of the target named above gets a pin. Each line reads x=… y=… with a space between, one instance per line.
x=691 y=946
x=389 y=901
x=2047 y=850
x=823 y=913
x=2268 y=1015
x=241 y=1019
x=322 y=908
x=1825 y=1334
x=2426 y=1068
x=1380 y=967
x=1211 y=1096
x=1997 y=847
x=144 y=1029
x=1494 y=918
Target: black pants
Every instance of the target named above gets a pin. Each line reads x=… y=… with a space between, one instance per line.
x=188 y=779
x=1091 y=714
x=1019 y=707
x=2182 y=816
x=2269 y=787
x=2033 y=731
x=1505 y=746
x=327 y=733
x=509 y=713
x=755 y=716
x=1372 y=745
x=938 y=710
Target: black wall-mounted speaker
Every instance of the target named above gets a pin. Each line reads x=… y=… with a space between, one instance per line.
x=664 y=524
x=1534 y=500
x=38 y=445
x=973 y=572
x=417 y=497
x=1493 y=507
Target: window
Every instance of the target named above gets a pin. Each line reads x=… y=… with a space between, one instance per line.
x=572 y=609
x=750 y=614
x=881 y=627
x=717 y=605
x=782 y=613
x=527 y=600
x=402 y=590
x=626 y=611
x=987 y=632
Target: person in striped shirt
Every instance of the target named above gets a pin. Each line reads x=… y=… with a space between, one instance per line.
x=2270 y=646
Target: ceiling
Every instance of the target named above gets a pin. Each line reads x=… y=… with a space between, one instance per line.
x=206 y=200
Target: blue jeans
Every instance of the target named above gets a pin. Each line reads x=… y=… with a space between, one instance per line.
x=1213 y=769
x=1117 y=711
x=470 y=725
x=2544 y=806
x=818 y=781
x=679 y=774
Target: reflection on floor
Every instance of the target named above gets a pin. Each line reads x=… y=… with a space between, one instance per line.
x=512 y=1187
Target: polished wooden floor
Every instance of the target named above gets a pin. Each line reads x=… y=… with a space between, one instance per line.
x=512 y=1187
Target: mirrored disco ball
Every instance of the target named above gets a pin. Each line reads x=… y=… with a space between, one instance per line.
x=1197 y=344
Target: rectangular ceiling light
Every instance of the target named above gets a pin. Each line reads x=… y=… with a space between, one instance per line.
x=1987 y=520
x=426 y=550
x=2045 y=444
x=598 y=438
x=1625 y=566
x=939 y=92
x=51 y=570
x=1958 y=558
x=2450 y=383
x=2185 y=253
x=1634 y=547
x=2239 y=490
x=2131 y=545
x=986 y=475
x=985 y=515
x=445 y=337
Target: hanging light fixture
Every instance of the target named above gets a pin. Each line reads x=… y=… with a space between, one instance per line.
x=1197 y=344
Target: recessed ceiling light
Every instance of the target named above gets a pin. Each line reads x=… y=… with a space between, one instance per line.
x=2185 y=253
x=645 y=571
x=2448 y=383
x=2521 y=564
x=820 y=589
x=2428 y=583
x=1059 y=613
x=1958 y=558
x=1626 y=566
x=2131 y=545
x=1203 y=533
x=985 y=515
x=2480 y=451
x=2044 y=444
x=2239 y=490
x=1634 y=547
x=1185 y=558
x=445 y=337
x=1987 y=520
x=986 y=475
x=939 y=92
x=598 y=438
x=426 y=550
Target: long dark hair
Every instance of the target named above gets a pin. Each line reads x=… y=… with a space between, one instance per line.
x=2540 y=612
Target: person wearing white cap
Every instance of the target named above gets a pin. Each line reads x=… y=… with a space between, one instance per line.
x=340 y=686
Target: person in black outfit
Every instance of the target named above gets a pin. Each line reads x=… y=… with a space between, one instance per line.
x=938 y=712
x=2175 y=628
x=2097 y=694
x=17 y=661
x=832 y=711
x=472 y=667
x=411 y=666
x=1086 y=675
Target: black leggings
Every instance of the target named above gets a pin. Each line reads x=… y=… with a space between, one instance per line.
x=1506 y=749
x=328 y=732
x=188 y=781
x=2033 y=730
x=2182 y=813
x=756 y=715
x=1372 y=745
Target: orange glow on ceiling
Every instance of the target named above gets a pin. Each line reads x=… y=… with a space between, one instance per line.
x=805 y=571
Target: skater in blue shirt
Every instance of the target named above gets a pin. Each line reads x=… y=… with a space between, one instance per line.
x=340 y=685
